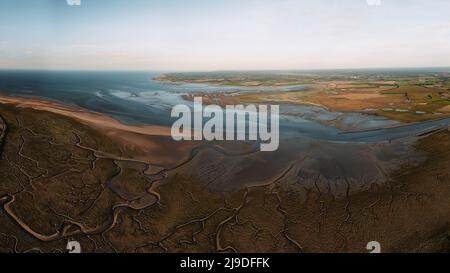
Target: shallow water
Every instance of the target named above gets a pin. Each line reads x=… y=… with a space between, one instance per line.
x=134 y=98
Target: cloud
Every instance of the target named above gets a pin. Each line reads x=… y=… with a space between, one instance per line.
x=73 y=2
x=375 y=3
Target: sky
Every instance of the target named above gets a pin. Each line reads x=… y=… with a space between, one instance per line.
x=204 y=35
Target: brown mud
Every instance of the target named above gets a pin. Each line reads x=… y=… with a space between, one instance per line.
x=62 y=179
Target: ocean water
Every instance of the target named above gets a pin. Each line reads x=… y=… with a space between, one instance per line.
x=131 y=97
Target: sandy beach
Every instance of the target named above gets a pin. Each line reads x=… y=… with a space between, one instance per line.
x=97 y=120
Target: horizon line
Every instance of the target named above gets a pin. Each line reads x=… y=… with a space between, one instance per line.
x=216 y=70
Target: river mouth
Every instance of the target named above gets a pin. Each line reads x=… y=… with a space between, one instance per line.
x=135 y=98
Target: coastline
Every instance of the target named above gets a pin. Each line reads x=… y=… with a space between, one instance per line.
x=408 y=103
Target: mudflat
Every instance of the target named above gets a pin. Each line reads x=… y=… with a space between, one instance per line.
x=65 y=177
